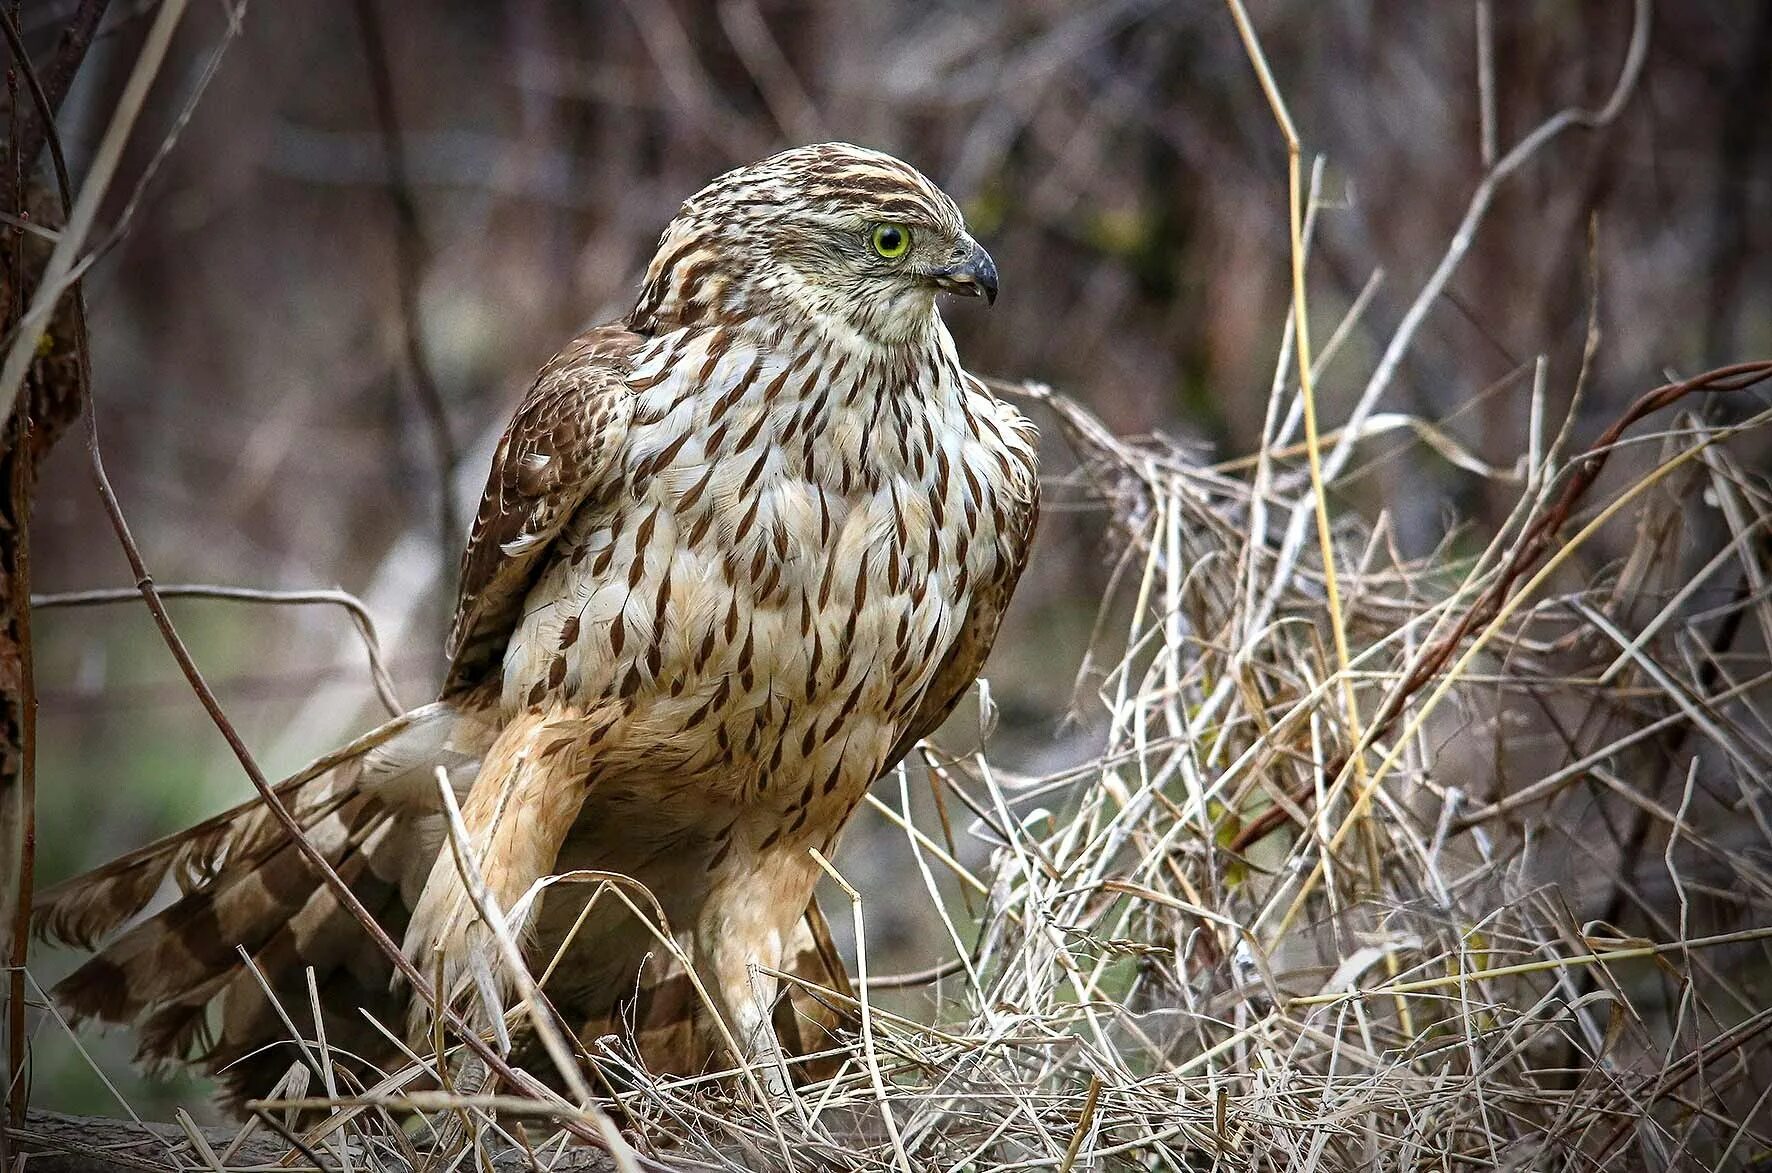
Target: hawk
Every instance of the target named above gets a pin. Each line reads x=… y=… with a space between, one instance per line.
x=737 y=554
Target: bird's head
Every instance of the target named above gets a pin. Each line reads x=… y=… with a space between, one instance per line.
x=833 y=234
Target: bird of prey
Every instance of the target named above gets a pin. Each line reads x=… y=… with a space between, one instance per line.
x=738 y=552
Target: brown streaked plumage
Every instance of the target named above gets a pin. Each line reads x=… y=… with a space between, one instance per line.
x=737 y=554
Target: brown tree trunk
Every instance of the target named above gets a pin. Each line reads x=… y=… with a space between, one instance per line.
x=47 y=405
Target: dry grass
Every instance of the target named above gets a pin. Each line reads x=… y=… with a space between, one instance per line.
x=1224 y=943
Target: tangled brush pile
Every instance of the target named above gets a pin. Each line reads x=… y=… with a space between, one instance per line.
x=1385 y=862
x=1492 y=892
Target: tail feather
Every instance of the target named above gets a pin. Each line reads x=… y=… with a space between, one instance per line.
x=179 y=975
x=202 y=1003
x=178 y=1028
x=323 y=937
x=351 y=978
x=89 y=908
x=170 y=955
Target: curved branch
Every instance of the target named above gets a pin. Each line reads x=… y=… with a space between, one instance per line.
x=360 y=617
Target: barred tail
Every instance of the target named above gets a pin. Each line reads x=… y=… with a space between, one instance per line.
x=179 y=976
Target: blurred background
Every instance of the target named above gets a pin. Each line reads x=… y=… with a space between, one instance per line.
x=500 y=172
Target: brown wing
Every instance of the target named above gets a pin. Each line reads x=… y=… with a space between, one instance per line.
x=556 y=454
x=972 y=646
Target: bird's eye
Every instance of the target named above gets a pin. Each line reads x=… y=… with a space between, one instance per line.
x=891 y=240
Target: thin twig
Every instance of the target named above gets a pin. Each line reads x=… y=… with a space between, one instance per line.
x=70 y=51
x=411 y=251
x=353 y=606
x=1604 y=957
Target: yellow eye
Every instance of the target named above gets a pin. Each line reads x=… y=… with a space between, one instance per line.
x=891 y=240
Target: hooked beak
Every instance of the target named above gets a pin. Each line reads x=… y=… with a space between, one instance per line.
x=971 y=275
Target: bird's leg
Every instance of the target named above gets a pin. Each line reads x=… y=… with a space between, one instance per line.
x=744 y=997
x=521 y=807
x=744 y=930
x=764 y=1049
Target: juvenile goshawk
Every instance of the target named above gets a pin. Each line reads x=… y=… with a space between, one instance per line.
x=737 y=554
